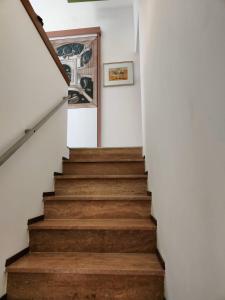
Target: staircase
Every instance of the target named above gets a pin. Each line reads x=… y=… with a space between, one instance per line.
x=97 y=241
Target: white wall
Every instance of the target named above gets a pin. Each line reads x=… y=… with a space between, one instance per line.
x=30 y=85
x=183 y=70
x=121 y=106
x=136 y=24
x=83 y=125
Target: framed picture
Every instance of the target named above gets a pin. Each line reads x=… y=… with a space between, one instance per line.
x=79 y=53
x=120 y=73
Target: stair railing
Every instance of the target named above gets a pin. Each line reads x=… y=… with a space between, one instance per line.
x=29 y=132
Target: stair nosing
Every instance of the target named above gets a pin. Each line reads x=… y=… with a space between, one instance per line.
x=66 y=176
x=45 y=225
x=97 y=198
x=107 y=148
x=91 y=272
x=103 y=160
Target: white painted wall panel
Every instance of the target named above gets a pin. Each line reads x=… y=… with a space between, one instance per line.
x=30 y=86
x=183 y=72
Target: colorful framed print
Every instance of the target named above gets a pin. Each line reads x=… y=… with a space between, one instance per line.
x=79 y=53
x=118 y=74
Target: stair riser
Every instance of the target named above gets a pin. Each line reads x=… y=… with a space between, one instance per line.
x=101 y=186
x=100 y=168
x=100 y=241
x=96 y=209
x=106 y=153
x=84 y=287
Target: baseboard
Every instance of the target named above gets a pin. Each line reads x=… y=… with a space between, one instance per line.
x=58 y=174
x=149 y=193
x=15 y=257
x=4 y=297
x=153 y=220
x=35 y=220
x=162 y=262
x=46 y=194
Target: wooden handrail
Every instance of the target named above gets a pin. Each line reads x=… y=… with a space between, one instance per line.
x=37 y=24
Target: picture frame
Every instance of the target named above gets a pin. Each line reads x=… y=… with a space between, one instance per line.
x=79 y=52
x=118 y=73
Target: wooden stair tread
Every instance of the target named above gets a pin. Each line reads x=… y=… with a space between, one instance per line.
x=101 y=176
x=98 y=198
x=97 y=239
x=94 y=224
x=89 y=263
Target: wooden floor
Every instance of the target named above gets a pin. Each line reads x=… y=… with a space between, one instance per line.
x=97 y=241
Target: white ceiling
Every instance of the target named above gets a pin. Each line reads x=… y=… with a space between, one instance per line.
x=111 y=3
x=118 y=3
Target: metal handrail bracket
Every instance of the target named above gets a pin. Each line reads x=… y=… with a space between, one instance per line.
x=29 y=132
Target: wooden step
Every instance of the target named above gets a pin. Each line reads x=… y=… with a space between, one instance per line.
x=90 y=207
x=101 y=184
x=104 y=167
x=93 y=235
x=84 y=276
x=106 y=153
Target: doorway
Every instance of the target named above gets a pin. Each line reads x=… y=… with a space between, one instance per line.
x=82 y=128
x=79 y=52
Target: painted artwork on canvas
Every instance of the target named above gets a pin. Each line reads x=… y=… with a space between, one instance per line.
x=118 y=74
x=79 y=56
